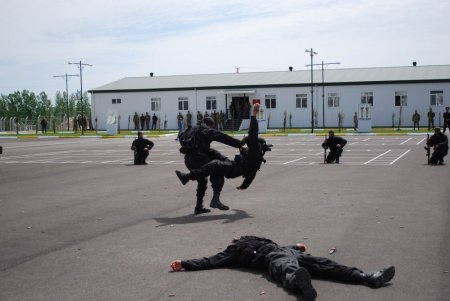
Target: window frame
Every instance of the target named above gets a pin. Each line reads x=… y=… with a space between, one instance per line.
x=155 y=103
x=183 y=103
x=401 y=99
x=439 y=98
x=211 y=103
x=301 y=101
x=367 y=98
x=270 y=101
x=335 y=99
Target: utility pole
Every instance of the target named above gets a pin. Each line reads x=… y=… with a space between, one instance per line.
x=312 y=53
x=67 y=94
x=323 y=89
x=80 y=66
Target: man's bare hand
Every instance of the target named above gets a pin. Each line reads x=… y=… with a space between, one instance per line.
x=255 y=109
x=301 y=247
x=176 y=265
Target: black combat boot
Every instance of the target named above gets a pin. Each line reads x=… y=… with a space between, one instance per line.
x=377 y=279
x=199 y=209
x=184 y=177
x=216 y=203
x=302 y=281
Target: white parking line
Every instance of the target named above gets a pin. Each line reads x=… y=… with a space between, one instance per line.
x=405 y=141
x=400 y=157
x=294 y=160
x=373 y=159
x=420 y=141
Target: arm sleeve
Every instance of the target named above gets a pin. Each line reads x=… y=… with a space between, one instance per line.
x=221 y=260
x=133 y=144
x=150 y=143
x=218 y=136
x=343 y=142
x=252 y=138
x=248 y=180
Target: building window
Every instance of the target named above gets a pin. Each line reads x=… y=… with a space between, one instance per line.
x=156 y=104
x=301 y=100
x=333 y=100
x=271 y=101
x=211 y=103
x=183 y=104
x=367 y=98
x=116 y=100
x=401 y=99
x=436 y=98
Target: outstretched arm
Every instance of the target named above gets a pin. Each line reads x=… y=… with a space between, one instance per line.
x=220 y=260
x=252 y=139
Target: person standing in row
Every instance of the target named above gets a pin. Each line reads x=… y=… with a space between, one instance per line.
x=180 y=119
x=431 y=115
x=199 y=117
x=136 y=121
x=446 y=117
x=221 y=120
x=142 y=120
x=355 y=121
x=44 y=126
x=416 y=119
x=336 y=145
x=189 y=120
x=147 y=121
x=154 y=121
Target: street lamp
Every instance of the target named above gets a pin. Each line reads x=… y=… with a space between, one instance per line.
x=67 y=95
x=312 y=53
x=323 y=88
x=80 y=66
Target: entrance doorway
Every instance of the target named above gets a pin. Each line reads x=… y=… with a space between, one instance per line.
x=240 y=107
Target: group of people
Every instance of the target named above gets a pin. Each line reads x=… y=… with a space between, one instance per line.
x=143 y=122
x=290 y=266
x=431 y=115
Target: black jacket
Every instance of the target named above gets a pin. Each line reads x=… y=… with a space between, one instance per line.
x=440 y=140
x=141 y=143
x=331 y=142
x=250 y=159
x=247 y=251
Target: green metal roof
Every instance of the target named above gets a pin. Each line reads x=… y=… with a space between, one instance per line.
x=378 y=75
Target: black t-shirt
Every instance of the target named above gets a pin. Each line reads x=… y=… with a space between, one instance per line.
x=142 y=143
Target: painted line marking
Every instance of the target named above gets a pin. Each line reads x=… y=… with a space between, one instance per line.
x=373 y=159
x=294 y=160
x=421 y=141
x=400 y=157
x=405 y=141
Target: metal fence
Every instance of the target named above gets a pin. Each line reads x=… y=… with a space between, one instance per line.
x=15 y=124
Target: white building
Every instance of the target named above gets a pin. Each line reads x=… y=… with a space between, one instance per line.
x=387 y=89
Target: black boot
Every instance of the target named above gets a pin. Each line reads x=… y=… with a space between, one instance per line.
x=302 y=281
x=184 y=177
x=377 y=279
x=199 y=209
x=216 y=203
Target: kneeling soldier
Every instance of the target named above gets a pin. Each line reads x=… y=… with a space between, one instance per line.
x=141 y=147
x=336 y=145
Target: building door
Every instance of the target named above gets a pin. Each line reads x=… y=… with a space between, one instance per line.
x=240 y=107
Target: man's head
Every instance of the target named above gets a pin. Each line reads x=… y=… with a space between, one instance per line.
x=415 y=111
x=209 y=122
x=437 y=131
x=140 y=135
x=446 y=108
x=331 y=133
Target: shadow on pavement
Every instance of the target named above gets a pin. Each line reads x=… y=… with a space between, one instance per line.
x=192 y=218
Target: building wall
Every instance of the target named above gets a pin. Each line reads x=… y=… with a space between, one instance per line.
x=418 y=98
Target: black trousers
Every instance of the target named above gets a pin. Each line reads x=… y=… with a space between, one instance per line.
x=197 y=160
x=439 y=154
x=334 y=154
x=284 y=262
x=416 y=123
x=430 y=124
x=446 y=125
x=139 y=157
x=153 y=125
x=223 y=168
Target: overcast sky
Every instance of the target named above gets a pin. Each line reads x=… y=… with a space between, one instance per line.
x=170 y=37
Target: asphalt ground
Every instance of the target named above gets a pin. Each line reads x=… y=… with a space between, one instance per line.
x=79 y=222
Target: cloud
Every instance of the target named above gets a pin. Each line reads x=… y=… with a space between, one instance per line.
x=135 y=37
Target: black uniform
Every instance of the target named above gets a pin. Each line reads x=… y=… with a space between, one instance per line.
x=204 y=154
x=441 y=150
x=335 y=152
x=284 y=264
x=140 y=154
x=446 y=117
x=154 y=120
x=246 y=164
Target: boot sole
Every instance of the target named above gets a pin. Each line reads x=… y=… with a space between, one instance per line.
x=385 y=277
x=181 y=178
x=219 y=207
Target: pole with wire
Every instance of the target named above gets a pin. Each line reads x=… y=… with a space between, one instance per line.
x=312 y=53
x=80 y=66
x=67 y=95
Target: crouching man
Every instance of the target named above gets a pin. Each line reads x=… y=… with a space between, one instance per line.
x=141 y=148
